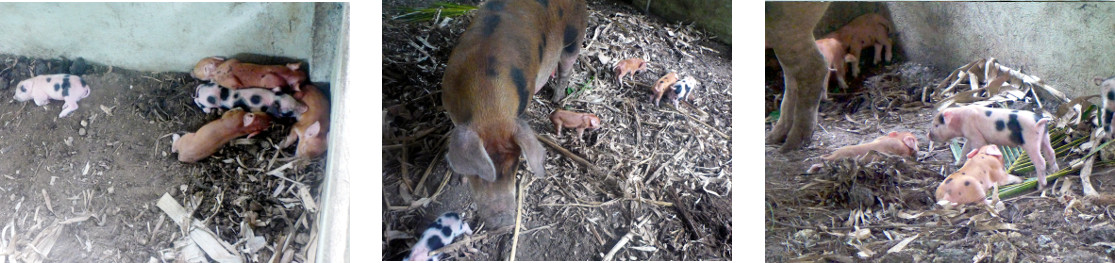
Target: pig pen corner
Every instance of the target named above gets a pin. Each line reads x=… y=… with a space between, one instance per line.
x=113 y=154
x=626 y=179
x=880 y=171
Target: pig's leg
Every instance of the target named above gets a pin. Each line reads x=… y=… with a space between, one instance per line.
x=557 y=127
x=40 y=98
x=878 y=54
x=68 y=107
x=1048 y=152
x=580 y=131
x=290 y=139
x=887 y=43
x=1034 y=151
x=571 y=39
x=972 y=144
x=789 y=30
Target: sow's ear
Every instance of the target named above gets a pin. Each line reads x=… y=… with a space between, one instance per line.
x=532 y=149
x=466 y=154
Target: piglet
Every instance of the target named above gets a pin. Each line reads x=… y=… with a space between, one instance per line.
x=983 y=170
x=438 y=234
x=312 y=129
x=193 y=147
x=681 y=90
x=894 y=143
x=662 y=85
x=1107 y=91
x=210 y=96
x=835 y=54
x=626 y=66
x=237 y=75
x=568 y=119
x=982 y=126
x=64 y=87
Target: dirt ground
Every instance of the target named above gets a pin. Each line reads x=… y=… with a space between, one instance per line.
x=829 y=216
x=665 y=175
x=105 y=166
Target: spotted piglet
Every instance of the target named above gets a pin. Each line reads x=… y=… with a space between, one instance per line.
x=65 y=87
x=983 y=170
x=982 y=126
x=440 y=233
x=210 y=96
x=681 y=90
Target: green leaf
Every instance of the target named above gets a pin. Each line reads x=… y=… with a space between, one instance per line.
x=428 y=13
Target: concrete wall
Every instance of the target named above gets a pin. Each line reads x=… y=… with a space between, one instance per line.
x=156 y=36
x=1065 y=43
x=714 y=16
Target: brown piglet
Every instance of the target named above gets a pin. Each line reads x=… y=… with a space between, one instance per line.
x=504 y=57
x=984 y=170
x=568 y=119
x=628 y=66
x=312 y=129
x=232 y=73
x=894 y=143
x=194 y=146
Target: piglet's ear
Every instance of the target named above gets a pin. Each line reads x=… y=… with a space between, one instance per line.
x=993 y=151
x=313 y=130
x=1098 y=81
x=532 y=149
x=973 y=153
x=911 y=142
x=248 y=118
x=466 y=154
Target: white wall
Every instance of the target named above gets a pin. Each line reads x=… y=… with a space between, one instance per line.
x=155 y=36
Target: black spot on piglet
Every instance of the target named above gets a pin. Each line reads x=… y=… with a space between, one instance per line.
x=434 y=243
x=966 y=183
x=255 y=99
x=212 y=100
x=224 y=94
x=988 y=113
x=65 y=86
x=446 y=230
x=1000 y=125
x=1015 y=130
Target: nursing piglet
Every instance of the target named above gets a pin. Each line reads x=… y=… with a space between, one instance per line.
x=664 y=83
x=626 y=66
x=982 y=126
x=504 y=57
x=210 y=96
x=43 y=88
x=894 y=143
x=195 y=146
x=983 y=170
x=438 y=234
x=234 y=74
